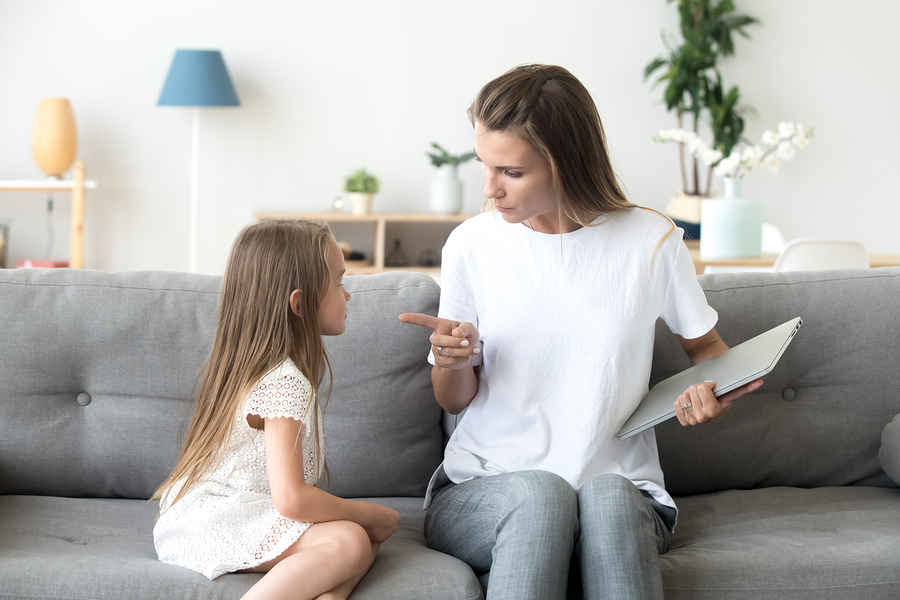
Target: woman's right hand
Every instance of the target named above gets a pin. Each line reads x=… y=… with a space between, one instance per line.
x=379 y=521
x=453 y=343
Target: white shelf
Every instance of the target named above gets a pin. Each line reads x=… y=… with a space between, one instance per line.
x=43 y=185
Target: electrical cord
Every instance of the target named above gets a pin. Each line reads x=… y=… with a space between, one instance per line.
x=50 y=234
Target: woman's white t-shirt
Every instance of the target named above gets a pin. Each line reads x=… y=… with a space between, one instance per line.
x=566 y=327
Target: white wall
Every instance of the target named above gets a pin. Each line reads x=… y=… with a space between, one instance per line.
x=328 y=87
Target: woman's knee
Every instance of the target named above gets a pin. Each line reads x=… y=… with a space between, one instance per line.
x=610 y=489
x=545 y=495
x=611 y=501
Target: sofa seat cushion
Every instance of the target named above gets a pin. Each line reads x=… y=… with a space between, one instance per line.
x=103 y=549
x=823 y=543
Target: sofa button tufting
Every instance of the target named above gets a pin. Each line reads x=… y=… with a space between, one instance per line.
x=83 y=399
x=788 y=394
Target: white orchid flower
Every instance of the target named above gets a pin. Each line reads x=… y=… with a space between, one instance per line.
x=751 y=154
x=785 y=151
x=769 y=137
x=695 y=145
x=728 y=167
x=711 y=156
x=777 y=147
x=800 y=141
x=786 y=129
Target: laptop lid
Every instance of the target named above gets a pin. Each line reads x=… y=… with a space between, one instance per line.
x=731 y=369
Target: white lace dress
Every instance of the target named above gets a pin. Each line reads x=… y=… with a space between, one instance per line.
x=228 y=522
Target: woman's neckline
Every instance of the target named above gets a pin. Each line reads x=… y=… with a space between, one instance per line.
x=524 y=229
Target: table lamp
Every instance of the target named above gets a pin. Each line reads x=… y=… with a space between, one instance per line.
x=54 y=140
x=197 y=78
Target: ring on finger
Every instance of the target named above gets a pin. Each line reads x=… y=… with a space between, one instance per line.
x=440 y=353
x=685 y=405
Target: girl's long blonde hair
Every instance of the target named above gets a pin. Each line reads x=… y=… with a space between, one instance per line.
x=255 y=332
x=552 y=111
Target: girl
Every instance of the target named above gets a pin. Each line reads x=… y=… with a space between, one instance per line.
x=243 y=494
x=545 y=334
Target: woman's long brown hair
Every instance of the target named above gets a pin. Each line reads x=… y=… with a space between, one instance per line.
x=255 y=332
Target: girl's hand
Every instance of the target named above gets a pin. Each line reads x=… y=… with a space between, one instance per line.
x=698 y=404
x=453 y=343
x=380 y=522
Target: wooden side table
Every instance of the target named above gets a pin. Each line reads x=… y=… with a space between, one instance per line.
x=77 y=185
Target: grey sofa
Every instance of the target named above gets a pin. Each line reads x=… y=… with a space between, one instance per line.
x=784 y=498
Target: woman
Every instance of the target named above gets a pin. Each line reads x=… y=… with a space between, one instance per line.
x=545 y=335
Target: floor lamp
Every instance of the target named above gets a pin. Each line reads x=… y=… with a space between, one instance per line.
x=197 y=78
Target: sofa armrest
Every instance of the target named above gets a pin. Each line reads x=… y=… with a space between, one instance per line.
x=889 y=454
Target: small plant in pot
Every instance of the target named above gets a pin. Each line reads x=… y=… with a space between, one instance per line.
x=361 y=186
x=445 y=158
x=446 y=189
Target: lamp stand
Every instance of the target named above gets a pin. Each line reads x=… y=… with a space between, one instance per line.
x=195 y=171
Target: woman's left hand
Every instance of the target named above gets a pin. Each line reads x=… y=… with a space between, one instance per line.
x=698 y=404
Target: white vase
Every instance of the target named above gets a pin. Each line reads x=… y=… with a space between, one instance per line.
x=361 y=203
x=730 y=226
x=446 y=191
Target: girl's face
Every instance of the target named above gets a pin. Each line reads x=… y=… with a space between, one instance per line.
x=333 y=311
x=518 y=179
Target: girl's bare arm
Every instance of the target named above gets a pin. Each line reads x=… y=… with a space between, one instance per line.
x=299 y=501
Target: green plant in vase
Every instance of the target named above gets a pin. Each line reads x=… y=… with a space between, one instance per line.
x=447 y=189
x=694 y=87
x=443 y=157
x=361 y=186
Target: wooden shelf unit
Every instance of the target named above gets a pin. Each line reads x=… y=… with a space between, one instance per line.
x=77 y=185
x=379 y=223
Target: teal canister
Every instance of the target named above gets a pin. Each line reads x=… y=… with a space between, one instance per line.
x=731 y=226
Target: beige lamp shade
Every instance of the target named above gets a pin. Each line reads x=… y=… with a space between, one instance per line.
x=54 y=141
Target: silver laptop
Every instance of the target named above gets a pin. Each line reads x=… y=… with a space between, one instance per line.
x=731 y=369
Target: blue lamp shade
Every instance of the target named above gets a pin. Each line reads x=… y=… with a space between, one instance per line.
x=198 y=78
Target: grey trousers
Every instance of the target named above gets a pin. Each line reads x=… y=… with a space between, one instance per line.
x=526 y=527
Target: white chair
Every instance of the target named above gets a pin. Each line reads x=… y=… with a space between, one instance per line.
x=772 y=239
x=812 y=254
x=772 y=242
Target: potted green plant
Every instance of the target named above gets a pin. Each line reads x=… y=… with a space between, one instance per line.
x=694 y=87
x=361 y=186
x=447 y=189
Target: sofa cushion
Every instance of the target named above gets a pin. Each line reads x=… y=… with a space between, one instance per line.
x=96 y=373
x=889 y=453
x=98 y=370
x=103 y=549
x=383 y=433
x=818 y=419
x=821 y=544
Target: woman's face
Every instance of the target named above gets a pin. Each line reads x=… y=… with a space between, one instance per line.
x=518 y=179
x=333 y=311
